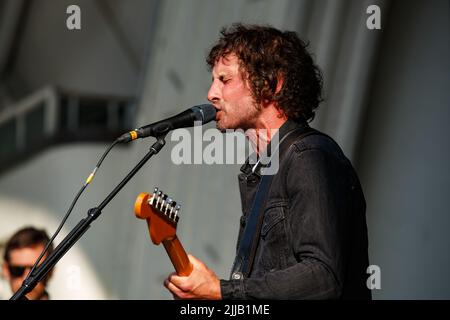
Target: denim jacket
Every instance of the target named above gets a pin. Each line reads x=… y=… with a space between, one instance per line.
x=313 y=241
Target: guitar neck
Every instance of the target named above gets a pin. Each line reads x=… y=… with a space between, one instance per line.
x=178 y=256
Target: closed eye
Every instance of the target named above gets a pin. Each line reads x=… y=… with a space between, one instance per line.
x=223 y=79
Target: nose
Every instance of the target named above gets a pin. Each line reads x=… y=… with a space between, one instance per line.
x=214 y=93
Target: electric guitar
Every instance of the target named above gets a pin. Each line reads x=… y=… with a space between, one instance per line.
x=162 y=215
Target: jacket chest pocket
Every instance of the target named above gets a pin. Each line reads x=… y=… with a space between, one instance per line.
x=273 y=242
x=273 y=218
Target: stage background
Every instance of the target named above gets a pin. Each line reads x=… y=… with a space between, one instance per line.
x=387 y=104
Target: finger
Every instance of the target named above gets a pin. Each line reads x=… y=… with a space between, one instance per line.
x=171 y=287
x=178 y=281
x=176 y=292
x=197 y=263
x=171 y=275
x=192 y=258
x=174 y=296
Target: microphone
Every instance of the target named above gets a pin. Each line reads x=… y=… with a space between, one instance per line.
x=204 y=113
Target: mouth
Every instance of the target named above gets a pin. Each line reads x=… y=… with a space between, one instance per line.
x=218 y=110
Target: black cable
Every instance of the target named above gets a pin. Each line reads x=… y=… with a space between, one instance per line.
x=88 y=181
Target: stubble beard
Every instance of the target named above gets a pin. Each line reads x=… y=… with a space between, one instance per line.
x=243 y=122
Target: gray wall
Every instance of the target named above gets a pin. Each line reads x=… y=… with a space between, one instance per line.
x=405 y=154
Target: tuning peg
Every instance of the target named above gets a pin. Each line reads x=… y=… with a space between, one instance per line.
x=177 y=210
x=168 y=205
x=158 y=198
x=163 y=202
x=172 y=208
x=153 y=197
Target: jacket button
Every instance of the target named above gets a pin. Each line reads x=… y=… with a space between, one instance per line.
x=236 y=275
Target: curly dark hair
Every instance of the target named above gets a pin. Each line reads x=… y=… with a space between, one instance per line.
x=266 y=55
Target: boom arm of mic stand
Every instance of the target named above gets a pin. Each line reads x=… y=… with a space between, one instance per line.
x=77 y=232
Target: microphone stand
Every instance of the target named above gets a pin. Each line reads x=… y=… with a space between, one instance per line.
x=77 y=232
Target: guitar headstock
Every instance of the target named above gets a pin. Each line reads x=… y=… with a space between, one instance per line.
x=161 y=213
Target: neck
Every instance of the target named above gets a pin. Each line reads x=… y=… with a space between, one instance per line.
x=265 y=127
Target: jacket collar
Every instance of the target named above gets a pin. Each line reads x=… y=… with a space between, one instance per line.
x=251 y=165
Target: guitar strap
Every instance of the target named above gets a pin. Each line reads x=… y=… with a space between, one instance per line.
x=243 y=262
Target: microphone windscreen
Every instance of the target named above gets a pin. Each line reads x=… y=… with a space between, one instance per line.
x=204 y=113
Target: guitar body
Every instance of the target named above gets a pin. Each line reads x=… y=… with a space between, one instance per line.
x=161 y=213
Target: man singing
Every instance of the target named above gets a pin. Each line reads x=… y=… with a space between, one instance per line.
x=303 y=232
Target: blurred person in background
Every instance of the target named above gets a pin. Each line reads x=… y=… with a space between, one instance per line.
x=21 y=252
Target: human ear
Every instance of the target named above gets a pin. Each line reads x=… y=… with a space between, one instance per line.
x=280 y=82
